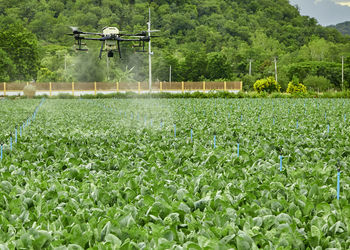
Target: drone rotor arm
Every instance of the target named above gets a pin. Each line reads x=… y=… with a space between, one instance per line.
x=96 y=39
x=128 y=40
x=92 y=33
x=120 y=54
x=120 y=34
x=100 y=56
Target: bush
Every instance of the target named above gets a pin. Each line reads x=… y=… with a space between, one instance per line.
x=317 y=83
x=248 y=82
x=29 y=91
x=277 y=95
x=296 y=87
x=268 y=85
x=219 y=94
x=65 y=96
x=328 y=70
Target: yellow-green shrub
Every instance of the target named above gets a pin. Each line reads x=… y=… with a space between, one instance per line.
x=267 y=85
x=296 y=87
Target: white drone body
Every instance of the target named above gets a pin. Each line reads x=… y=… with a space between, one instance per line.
x=110 y=45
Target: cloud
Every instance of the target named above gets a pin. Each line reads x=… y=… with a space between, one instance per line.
x=342 y=3
x=338 y=2
x=327 y=12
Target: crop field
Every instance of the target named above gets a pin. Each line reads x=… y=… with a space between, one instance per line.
x=175 y=174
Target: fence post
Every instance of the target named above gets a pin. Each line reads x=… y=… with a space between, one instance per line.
x=182 y=86
x=225 y=86
x=241 y=86
x=161 y=87
x=4 y=88
x=204 y=86
x=139 y=87
x=73 y=88
x=117 y=86
x=95 y=88
x=50 y=88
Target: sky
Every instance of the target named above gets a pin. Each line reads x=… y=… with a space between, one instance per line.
x=327 y=12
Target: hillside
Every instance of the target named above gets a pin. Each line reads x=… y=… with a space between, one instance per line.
x=199 y=39
x=343 y=28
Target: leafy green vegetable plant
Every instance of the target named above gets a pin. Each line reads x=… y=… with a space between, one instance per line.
x=109 y=174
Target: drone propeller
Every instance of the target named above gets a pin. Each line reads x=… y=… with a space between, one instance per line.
x=76 y=30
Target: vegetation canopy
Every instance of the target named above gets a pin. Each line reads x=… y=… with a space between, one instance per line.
x=200 y=40
x=113 y=173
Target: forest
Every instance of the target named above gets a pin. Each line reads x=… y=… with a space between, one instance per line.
x=201 y=40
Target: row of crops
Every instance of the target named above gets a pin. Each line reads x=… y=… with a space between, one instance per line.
x=175 y=174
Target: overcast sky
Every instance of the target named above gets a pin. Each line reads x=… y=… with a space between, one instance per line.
x=327 y=12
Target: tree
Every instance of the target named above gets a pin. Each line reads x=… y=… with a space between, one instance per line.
x=218 y=67
x=162 y=65
x=21 y=47
x=6 y=66
x=317 y=83
x=329 y=70
x=194 y=66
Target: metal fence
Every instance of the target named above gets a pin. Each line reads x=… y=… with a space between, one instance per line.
x=106 y=87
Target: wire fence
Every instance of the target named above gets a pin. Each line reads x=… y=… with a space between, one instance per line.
x=51 y=88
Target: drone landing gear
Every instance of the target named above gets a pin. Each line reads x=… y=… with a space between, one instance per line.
x=110 y=54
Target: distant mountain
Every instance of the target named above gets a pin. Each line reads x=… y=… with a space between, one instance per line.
x=343 y=28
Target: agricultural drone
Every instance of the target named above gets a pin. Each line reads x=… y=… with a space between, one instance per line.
x=110 y=39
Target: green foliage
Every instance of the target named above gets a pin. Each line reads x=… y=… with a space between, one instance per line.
x=21 y=53
x=248 y=82
x=317 y=83
x=199 y=39
x=7 y=68
x=106 y=174
x=45 y=75
x=218 y=66
x=296 y=87
x=119 y=75
x=268 y=85
x=199 y=95
x=329 y=70
x=194 y=65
